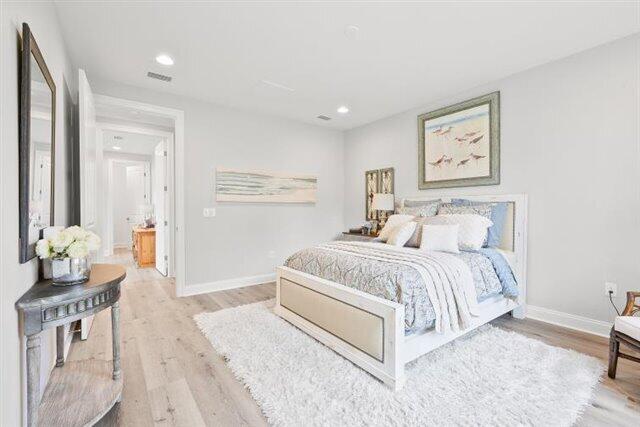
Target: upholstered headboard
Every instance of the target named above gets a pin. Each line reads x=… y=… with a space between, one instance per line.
x=514 y=236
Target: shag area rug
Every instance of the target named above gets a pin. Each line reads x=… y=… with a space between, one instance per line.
x=488 y=377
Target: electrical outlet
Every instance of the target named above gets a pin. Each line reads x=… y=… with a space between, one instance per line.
x=610 y=287
x=209 y=212
x=271 y=254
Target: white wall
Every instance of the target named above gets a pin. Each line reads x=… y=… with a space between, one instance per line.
x=16 y=277
x=570 y=140
x=116 y=233
x=237 y=243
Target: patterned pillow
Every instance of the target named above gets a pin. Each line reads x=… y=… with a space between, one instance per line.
x=483 y=209
x=425 y=210
x=415 y=203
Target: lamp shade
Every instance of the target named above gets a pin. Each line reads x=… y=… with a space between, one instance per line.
x=383 y=202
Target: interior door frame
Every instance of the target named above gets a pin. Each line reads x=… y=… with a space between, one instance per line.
x=171 y=190
x=175 y=179
x=109 y=223
x=160 y=189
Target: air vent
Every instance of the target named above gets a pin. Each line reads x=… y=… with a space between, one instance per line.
x=325 y=118
x=118 y=137
x=159 y=76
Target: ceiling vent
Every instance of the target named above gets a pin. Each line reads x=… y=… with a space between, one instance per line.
x=325 y=118
x=118 y=137
x=159 y=76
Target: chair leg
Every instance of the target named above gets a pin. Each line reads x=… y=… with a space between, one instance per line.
x=614 y=349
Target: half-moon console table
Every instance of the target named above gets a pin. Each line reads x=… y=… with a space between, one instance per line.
x=82 y=392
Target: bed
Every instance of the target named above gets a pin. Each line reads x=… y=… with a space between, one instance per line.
x=382 y=328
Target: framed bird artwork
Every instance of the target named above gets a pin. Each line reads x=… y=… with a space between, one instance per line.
x=459 y=145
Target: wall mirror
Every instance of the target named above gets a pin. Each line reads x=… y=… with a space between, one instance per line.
x=37 y=145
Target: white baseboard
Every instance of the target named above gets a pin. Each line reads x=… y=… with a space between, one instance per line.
x=571 y=321
x=221 y=285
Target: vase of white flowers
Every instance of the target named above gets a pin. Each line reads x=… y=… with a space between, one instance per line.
x=68 y=250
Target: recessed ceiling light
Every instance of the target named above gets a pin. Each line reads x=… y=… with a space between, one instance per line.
x=115 y=147
x=343 y=109
x=164 y=59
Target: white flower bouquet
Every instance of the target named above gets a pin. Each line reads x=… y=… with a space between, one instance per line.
x=68 y=251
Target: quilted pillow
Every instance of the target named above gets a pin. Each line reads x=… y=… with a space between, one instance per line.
x=498 y=216
x=393 y=221
x=472 y=231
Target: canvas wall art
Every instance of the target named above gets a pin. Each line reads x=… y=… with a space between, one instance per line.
x=264 y=187
x=459 y=145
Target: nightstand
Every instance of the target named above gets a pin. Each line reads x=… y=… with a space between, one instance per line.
x=356 y=237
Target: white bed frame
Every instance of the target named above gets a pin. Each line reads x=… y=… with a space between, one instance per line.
x=369 y=331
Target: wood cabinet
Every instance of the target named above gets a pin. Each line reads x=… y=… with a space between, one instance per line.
x=144 y=246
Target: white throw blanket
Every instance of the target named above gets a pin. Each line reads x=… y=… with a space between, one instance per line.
x=448 y=280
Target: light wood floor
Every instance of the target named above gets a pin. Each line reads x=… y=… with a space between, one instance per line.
x=172 y=376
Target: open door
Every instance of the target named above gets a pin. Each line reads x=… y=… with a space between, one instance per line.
x=161 y=207
x=90 y=156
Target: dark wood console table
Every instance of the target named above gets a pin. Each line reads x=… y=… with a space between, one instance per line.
x=86 y=391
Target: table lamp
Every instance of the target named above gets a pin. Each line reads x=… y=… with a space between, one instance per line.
x=383 y=202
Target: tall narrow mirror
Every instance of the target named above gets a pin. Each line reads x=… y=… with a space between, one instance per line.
x=37 y=145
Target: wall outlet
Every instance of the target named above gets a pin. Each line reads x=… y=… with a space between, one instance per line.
x=610 y=287
x=271 y=254
x=209 y=212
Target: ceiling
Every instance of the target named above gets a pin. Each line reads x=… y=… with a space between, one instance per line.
x=119 y=114
x=131 y=143
x=405 y=54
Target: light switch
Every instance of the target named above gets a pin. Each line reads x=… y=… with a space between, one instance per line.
x=209 y=212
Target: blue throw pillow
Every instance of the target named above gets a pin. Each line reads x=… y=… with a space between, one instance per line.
x=498 y=216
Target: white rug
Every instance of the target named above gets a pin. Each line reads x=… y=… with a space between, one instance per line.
x=489 y=377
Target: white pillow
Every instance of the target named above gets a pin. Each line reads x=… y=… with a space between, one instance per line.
x=440 y=238
x=400 y=234
x=393 y=221
x=472 y=231
x=414 y=241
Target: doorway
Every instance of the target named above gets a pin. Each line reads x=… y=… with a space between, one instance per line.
x=132 y=179
x=100 y=112
x=138 y=194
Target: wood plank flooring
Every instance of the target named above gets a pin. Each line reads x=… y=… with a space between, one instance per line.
x=173 y=377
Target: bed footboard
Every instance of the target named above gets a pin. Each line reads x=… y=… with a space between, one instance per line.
x=367 y=330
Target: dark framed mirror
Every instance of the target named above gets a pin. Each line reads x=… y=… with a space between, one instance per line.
x=37 y=145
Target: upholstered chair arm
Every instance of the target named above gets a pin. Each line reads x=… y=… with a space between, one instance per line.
x=632 y=307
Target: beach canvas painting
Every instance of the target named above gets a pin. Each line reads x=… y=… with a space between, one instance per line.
x=264 y=187
x=459 y=144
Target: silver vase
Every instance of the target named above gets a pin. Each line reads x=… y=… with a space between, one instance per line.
x=70 y=271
